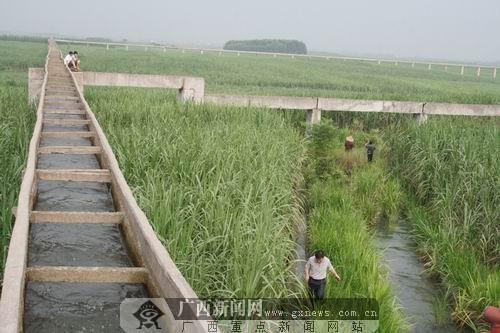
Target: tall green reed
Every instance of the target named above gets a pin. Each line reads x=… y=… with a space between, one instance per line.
x=16 y=124
x=216 y=183
x=451 y=167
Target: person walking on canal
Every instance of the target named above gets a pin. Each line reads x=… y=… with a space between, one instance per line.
x=316 y=270
x=370 y=149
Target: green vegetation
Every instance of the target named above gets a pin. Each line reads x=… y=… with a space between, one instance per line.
x=346 y=195
x=452 y=169
x=451 y=176
x=267 y=45
x=440 y=308
x=16 y=124
x=265 y=75
x=469 y=289
x=218 y=185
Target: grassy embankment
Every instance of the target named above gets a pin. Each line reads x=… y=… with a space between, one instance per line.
x=218 y=185
x=16 y=124
x=346 y=196
x=451 y=167
x=263 y=75
x=451 y=177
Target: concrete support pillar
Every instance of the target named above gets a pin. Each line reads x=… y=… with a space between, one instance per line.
x=107 y=46
x=193 y=90
x=430 y=67
x=462 y=70
x=421 y=118
x=313 y=116
x=495 y=73
x=479 y=71
x=35 y=82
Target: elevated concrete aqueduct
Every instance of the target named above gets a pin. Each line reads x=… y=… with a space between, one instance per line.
x=70 y=155
x=193 y=89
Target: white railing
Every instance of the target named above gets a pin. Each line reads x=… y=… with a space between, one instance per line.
x=396 y=62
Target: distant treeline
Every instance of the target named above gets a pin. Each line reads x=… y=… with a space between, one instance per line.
x=98 y=40
x=17 y=38
x=267 y=45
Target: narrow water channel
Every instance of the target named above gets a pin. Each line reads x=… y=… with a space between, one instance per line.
x=414 y=290
x=75 y=307
x=300 y=248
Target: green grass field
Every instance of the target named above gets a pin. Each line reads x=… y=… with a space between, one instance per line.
x=264 y=75
x=216 y=183
x=219 y=186
x=16 y=124
x=211 y=179
x=452 y=170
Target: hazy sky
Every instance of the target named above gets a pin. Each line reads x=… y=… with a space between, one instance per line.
x=448 y=29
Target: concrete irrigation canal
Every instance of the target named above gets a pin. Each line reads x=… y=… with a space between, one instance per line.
x=80 y=244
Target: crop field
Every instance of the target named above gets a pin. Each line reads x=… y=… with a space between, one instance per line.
x=452 y=170
x=216 y=183
x=221 y=183
x=443 y=177
x=265 y=75
x=226 y=187
x=16 y=124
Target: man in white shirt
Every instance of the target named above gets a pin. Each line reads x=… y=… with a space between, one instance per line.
x=69 y=61
x=315 y=273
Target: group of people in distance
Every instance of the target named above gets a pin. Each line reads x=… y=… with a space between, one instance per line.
x=72 y=60
x=319 y=265
x=370 y=147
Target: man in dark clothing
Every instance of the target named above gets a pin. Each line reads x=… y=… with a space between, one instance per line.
x=370 y=149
